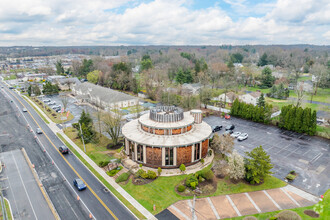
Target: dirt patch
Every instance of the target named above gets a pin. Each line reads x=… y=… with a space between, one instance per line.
x=115 y=147
x=140 y=181
x=311 y=213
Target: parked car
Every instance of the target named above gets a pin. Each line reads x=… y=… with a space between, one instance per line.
x=56 y=107
x=216 y=128
x=46 y=100
x=242 y=137
x=57 y=110
x=24 y=110
x=236 y=134
x=11 y=87
x=79 y=184
x=52 y=103
x=228 y=132
x=63 y=149
x=39 y=131
x=230 y=127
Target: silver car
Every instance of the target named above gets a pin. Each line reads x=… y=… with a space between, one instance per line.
x=236 y=134
x=39 y=131
x=242 y=137
x=24 y=110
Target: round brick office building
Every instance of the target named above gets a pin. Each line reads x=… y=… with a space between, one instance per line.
x=167 y=137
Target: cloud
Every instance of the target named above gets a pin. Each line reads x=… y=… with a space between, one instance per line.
x=170 y=22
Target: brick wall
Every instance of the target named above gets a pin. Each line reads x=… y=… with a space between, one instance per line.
x=183 y=155
x=205 y=147
x=176 y=131
x=189 y=128
x=145 y=128
x=159 y=131
x=154 y=156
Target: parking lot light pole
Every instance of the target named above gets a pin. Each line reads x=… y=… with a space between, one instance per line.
x=82 y=137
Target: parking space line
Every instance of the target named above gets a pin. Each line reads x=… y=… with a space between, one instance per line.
x=233 y=205
x=179 y=211
x=253 y=203
x=283 y=149
x=306 y=152
x=275 y=203
x=213 y=208
x=290 y=197
x=20 y=176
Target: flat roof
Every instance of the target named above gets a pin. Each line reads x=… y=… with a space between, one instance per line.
x=187 y=120
x=133 y=132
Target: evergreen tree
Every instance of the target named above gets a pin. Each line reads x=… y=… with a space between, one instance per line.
x=258 y=165
x=306 y=120
x=281 y=91
x=298 y=120
x=263 y=60
x=29 y=90
x=261 y=101
x=273 y=92
x=312 y=130
x=267 y=78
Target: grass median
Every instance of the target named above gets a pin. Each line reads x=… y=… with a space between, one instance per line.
x=39 y=113
x=7 y=210
x=111 y=188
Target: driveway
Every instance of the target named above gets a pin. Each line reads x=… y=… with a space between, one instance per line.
x=308 y=156
x=229 y=206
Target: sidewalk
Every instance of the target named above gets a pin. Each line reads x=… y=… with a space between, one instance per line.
x=229 y=206
x=110 y=180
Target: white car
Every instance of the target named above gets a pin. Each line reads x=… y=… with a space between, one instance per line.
x=52 y=103
x=46 y=100
x=39 y=131
x=242 y=137
x=236 y=134
x=24 y=110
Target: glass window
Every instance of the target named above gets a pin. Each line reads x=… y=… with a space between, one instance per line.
x=139 y=153
x=197 y=150
x=169 y=156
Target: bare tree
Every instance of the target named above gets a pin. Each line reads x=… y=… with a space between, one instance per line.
x=300 y=94
x=319 y=72
x=65 y=101
x=223 y=144
x=220 y=168
x=112 y=125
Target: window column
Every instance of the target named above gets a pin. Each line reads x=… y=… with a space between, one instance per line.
x=144 y=154
x=200 y=150
x=127 y=146
x=174 y=156
x=135 y=151
x=193 y=153
x=163 y=156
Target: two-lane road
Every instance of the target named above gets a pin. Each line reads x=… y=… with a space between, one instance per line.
x=101 y=204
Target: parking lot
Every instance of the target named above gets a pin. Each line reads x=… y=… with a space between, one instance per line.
x=21 y=189
x=308 y=156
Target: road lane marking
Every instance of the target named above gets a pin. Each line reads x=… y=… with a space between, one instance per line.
x=92 y=191
x=19 y=173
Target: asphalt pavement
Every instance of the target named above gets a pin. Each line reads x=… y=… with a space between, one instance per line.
x=21 y=189
x=308 y=156
x=101 y=203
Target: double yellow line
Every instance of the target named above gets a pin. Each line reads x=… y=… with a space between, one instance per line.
x=96 y=196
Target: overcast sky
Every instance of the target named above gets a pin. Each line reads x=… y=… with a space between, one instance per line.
x=163 y=22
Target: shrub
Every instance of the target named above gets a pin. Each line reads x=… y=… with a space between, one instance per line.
x=151 y=174
x=112 y=172
x=292 y=172
x=202 y=161
x=200 y=179
x=193 y=185
x=192 y=179
x=123 y=177
x=287 y=214
x=182 y=167
x=142 y=173
x=272 y=218
x=290 y=177
x=208 y=175
x=103 y=163
x=181 y=188
x=159 y=171
x=140 y=165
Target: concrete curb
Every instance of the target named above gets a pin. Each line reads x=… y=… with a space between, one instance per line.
x=11 y=211
x=43 y=191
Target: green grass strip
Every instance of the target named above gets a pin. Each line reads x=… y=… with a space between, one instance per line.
x=108 y=185
x=39 y=113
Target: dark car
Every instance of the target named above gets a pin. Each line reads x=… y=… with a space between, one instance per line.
x=79 y=184
x=63 y=149
x=230 y=127
x=228 y=132
x=216 y=128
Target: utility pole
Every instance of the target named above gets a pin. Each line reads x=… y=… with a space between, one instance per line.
x=82 y=137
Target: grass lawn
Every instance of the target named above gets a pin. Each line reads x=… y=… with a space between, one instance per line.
x=254 y=89
x=323 y=131
x=161 y=192
x=7 y=210
x=110 y=187
x=57 y=118
x=323 y=95
x=97 y=152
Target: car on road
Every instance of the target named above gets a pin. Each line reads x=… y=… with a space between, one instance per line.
x=46 y=100
x=216 y=128
x=79 y=184
x=242 y=137
x=11 y=87
x=230 y=127
x=228 y=132
x=236 y=134
x=63 y=149
x=24 y=110
x=39 y=131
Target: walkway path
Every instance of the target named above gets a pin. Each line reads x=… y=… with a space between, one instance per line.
x=228 y=206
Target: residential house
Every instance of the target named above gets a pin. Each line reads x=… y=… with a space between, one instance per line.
x=250 y=98
x=228 y=97
x=105 y=98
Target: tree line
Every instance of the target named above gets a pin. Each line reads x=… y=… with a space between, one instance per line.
x=251 y=112
x=297 y=119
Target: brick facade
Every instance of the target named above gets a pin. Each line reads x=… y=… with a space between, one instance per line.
x=154 y=156
x=183 y=155
x=162 y=131
x=205 y=145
